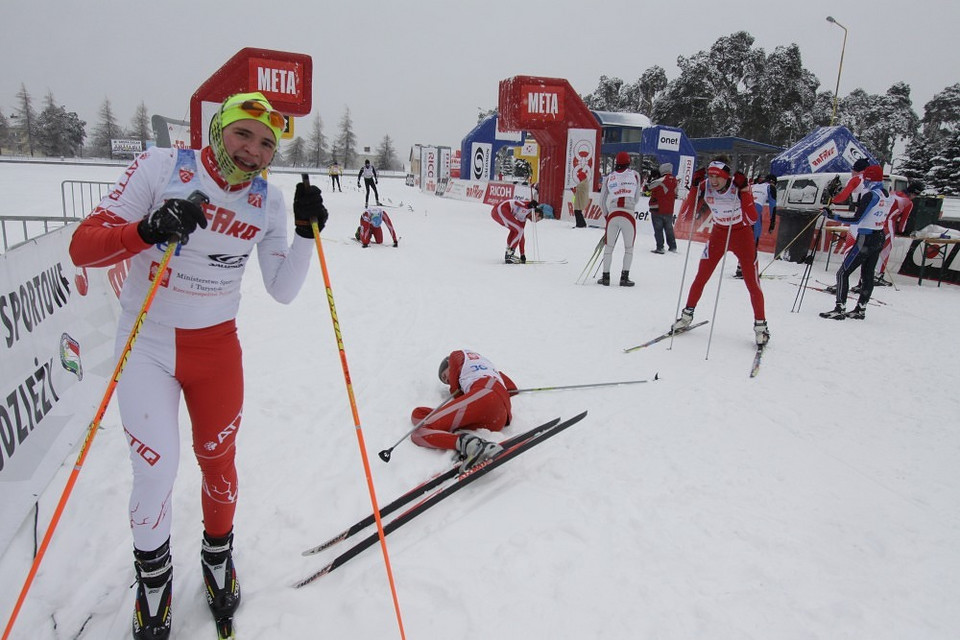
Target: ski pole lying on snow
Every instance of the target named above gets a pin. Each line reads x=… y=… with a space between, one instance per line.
x=656 y=376
x=199 y=198
x=385 y=454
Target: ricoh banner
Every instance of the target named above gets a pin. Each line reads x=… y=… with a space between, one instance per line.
x=57 y=326
x=428 y=168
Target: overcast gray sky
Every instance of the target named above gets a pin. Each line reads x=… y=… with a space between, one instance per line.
x=419 y=70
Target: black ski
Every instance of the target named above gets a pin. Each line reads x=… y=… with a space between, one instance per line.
x=826 y=289
x=419 y=490
x=462 y=480
x=756 y=361
x=225 y=629
x=666 y=335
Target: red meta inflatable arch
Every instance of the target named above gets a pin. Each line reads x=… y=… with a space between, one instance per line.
x=549 y=109
x=285 y=79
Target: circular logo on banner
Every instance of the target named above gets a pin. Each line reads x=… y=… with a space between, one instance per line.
x=479 y=163
x=583 y=161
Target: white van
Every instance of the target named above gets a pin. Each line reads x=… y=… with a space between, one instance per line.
x=807 y=192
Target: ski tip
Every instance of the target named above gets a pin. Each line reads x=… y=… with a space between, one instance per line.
x=656 y=376
x=225 y=629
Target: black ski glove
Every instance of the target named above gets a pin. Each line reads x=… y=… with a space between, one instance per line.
x=174 y=220
x=308 y=204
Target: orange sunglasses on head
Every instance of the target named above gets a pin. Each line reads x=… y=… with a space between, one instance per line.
x=258 y=109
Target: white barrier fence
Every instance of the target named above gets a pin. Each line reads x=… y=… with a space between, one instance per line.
x=57 y=325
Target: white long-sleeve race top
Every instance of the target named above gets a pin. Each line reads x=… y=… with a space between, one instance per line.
x=201 y=286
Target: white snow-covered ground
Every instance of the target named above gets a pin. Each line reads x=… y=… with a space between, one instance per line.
x=820 y=500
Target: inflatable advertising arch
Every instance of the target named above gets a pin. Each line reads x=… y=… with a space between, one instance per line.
x=285 y=79
x=568 y=134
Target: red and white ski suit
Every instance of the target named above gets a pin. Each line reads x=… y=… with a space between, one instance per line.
x=733 y=215
x=618 y=199
x=370 y=221
x=513 y=214
x=900 y=207
x=484 y=403
x=188 y=342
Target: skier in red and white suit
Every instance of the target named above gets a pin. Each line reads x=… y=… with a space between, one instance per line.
x=733 y=212
x=900 y=209
x=481 y=401
x=188 y=345
x=513 y=214
x=370 y=221
x=618 y=199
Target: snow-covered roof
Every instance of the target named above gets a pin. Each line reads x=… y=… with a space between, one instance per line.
x=619 y=119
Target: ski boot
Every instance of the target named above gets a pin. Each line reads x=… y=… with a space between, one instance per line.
x=761 y=331
x=510 y=257
x=474 y=450
x=625 y=280
x=858 y=313
x=220 y=576
x=686 y=317
x=838 y=313
x=657 y=250
x=881 y=281
x=604 y=279
x=152 y=613
x=523 y=259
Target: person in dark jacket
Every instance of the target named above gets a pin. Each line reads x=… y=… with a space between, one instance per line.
x=369 y=174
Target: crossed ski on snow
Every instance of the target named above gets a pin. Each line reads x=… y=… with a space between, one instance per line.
x=452 y=479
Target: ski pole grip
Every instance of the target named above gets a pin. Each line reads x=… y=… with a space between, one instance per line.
x=305 y=178
x=198 y=197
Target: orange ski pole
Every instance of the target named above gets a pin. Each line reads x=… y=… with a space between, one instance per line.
x=88 y=440
x=356 y=417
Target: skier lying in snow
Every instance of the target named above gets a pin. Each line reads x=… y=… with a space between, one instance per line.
x=481 y=400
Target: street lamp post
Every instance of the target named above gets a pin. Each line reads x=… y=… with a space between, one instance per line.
x=836 y=92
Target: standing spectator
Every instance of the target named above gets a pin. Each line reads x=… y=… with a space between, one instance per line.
x=764 y=193
x=335 y=171
x=480 y=400
x=369 y=174
x=900 y=207
x=188 y=345
x=663 y=198
x=581 y=199
x=513 y=214
x=618 y=198
x=868 y=220
x=733 y=213
x=370 y=221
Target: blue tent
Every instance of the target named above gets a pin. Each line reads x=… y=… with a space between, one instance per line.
x=826 y=149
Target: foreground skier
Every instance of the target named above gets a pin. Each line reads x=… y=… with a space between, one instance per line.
x=188 y=342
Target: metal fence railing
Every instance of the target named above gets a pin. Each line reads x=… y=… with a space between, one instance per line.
x=79 y=197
